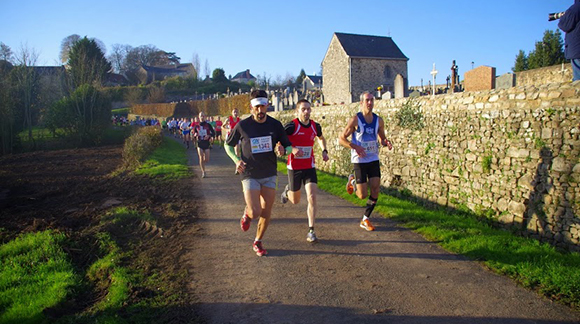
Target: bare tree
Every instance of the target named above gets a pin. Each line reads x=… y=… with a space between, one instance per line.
x=27 y=86
x=66 y=45
x=206 y=69
x=118 y=56
x=196 y=64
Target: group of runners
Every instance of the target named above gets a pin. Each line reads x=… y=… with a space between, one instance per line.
x=261 y=137
x=202 y=131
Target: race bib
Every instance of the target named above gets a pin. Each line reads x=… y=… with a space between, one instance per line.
x=202 y=132
x=306 y=150
x=370 y=147
x=261 y=144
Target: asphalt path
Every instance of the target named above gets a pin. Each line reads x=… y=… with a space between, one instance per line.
x=391 y=275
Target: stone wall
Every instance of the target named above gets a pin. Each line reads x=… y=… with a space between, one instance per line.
x=336 y=74
x=480 y=78
x=545 y=75
x=511 y=155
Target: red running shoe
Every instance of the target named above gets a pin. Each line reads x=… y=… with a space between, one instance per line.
x=260 y=251
x=245 y=222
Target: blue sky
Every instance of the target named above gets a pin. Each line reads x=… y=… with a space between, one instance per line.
x=278 y=38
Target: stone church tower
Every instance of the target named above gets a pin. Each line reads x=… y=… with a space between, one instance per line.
x=357 y=63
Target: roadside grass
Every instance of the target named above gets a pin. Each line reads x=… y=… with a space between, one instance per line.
x=35 y=274
x=167 y=162
x=535 y=265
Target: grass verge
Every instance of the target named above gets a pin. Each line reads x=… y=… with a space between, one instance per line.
x=535 y=265
x=168 y=161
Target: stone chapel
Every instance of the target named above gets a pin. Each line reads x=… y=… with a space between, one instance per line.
x=357 y=63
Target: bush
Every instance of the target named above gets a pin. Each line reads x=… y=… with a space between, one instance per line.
x=83 y=117
x=410 y=116
x=139 y=145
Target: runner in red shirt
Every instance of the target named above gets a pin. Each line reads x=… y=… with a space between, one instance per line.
x=301 y=167
x=218 y=130
x=230 y=124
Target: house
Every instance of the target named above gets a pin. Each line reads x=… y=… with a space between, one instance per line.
x=243 y=77
x=312 y=82
x=357 y=63
x=148 y=74
x=115 y=80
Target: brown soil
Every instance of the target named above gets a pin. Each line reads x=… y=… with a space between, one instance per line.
x=70 y=190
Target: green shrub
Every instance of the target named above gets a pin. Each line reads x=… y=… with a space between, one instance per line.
x=139 y=145
x=410 y=116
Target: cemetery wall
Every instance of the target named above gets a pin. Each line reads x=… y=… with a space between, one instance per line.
x=544 y=75
x=511 y=155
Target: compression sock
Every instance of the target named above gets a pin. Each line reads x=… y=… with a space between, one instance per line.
x=370 y=206
x=311 y=229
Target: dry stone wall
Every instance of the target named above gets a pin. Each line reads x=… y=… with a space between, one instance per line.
x=511 y=155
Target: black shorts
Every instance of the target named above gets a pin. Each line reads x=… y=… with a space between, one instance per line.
x=218 y=133
x=298 y=177
x=365 y=171
x=204 y=145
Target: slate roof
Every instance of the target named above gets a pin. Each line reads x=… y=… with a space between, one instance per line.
x=244 y=75
x=316 y=79
x=367 y=46
x=167 y=68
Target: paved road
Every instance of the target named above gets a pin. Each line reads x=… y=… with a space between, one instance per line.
x=391 y=275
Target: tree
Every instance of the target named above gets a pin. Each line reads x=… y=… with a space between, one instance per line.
x=196 y=64
x=26 y=88
x=548 y=52
x=206 y=69
x=87 y=63
x=118 y=56
x=300 y=77
x=66 y=45
x=7 y=133
x=521 y=62
x=83 y=116
x=219 y=76
x=5 y=53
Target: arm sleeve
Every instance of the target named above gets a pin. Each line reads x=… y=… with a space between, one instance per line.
x=570 y=19
x=232 y=153
x=289 y=128
x=318 y=128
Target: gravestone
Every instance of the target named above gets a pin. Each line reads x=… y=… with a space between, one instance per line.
x=505 y=81
x=399 y=86
x=387 y=95
x=480 y=78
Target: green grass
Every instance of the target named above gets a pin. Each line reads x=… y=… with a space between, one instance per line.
x=535 y=265
x=168 y=162
x=121 y=111
x=35 y=274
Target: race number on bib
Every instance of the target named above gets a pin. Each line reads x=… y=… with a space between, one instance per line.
x=306 y=150
x=261 y=144
x=202 y=132
x=370 y=147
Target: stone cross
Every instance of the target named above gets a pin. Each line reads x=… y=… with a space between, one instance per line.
x=434 y=74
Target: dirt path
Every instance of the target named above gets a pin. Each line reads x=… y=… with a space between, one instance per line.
x=351 y=276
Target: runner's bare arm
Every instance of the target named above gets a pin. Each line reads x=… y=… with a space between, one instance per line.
x=348 y=130
x=382 y=136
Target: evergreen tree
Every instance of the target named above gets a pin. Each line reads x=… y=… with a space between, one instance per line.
x=521 y=62
x=548 y=52
x=87 y=63
x=300 y=77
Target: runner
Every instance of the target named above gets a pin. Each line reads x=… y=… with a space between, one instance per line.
x=301 y=167
x=185 y=127
x=258 y=136
x=204 y=133
x=232 y=121
x=218 y=131
x=365 y=127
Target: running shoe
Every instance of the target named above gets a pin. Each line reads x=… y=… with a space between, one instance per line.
x=350 y=187
x=311 y=237
x=245 y=222
x=203 y=174
x=366 y=224
x=259 y=249
x=284 y=196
